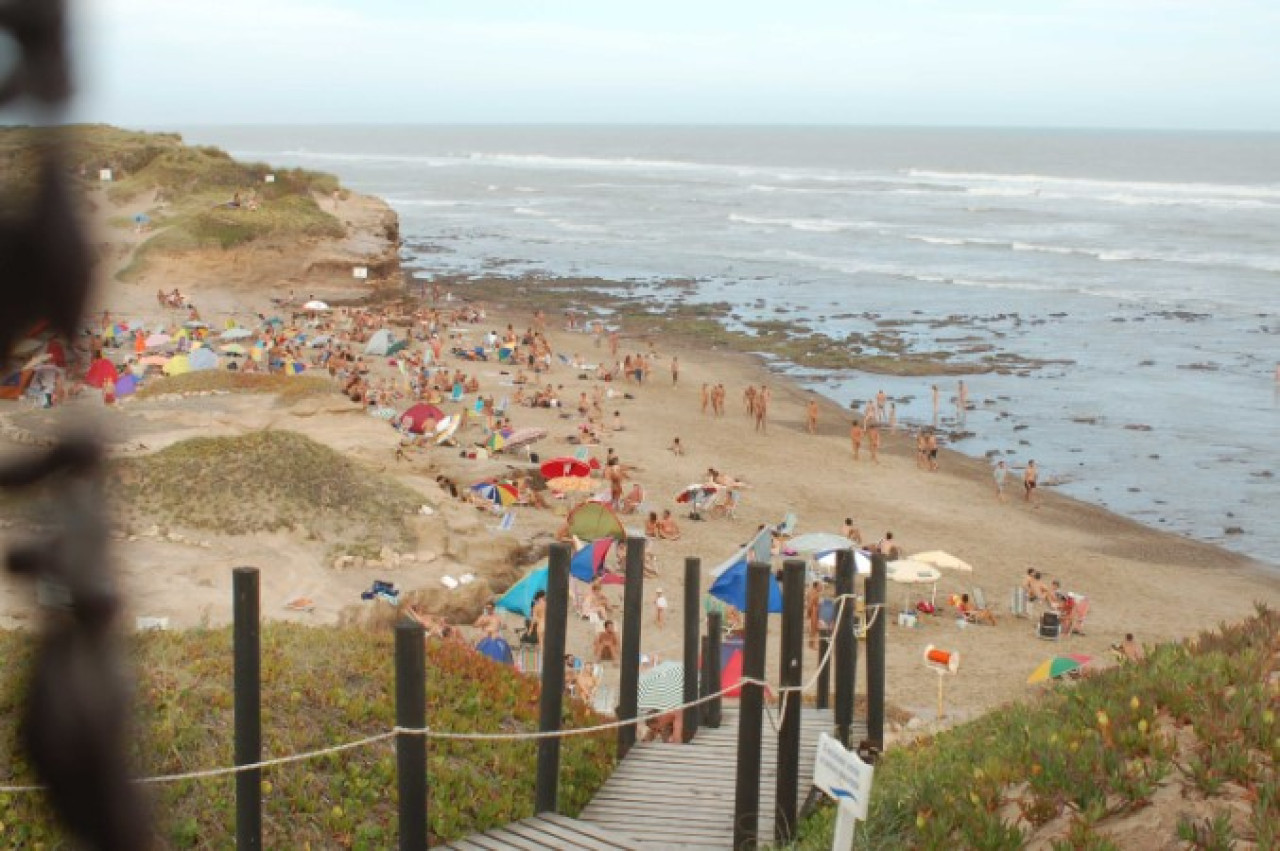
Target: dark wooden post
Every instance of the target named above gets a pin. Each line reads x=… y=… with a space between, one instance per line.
x=632 y=613
x=692 y=602
x=824 y=673
x=791 y=665
x=746 y=801
x=846 y=656
x=247 y=650
x=875 y=650
x=411 y=750
x=551 y=702
x=712 y=709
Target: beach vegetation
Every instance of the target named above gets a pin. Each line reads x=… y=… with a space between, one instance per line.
x=262 y=482
x=320 y=687
x=1192 y=728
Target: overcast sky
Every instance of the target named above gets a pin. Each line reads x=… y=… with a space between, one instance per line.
x=1205 y=64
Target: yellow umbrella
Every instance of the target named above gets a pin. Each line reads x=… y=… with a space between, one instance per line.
x=1058 y=666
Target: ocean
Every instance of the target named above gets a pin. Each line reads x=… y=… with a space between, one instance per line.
x=1143 y=267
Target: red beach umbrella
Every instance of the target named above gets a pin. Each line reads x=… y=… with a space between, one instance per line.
x=565 y=466
x=416 y=418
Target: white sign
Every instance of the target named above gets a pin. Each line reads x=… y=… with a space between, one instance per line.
x=360 y=272
x=104 y=174
x=843 y=776
x=270 y=178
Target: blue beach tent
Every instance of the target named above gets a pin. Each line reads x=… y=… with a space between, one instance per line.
x=519 y=597
x=730 y=579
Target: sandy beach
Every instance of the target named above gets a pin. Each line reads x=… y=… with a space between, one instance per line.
x=1158 y=586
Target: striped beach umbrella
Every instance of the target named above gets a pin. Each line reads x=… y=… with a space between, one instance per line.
x=661 y=688
x=1058 y=666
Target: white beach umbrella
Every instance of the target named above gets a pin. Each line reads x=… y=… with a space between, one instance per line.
x=315 y=305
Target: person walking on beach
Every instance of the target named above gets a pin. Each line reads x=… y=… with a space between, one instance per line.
x=717 y=400
x=873 y=443
x=659 y=609
x=811 y=417
x=931 y=449
x=1030 y=477
x=749 y=400
x=762 y=410
x=1001 y=473
x=675 y=370
x=855 y=437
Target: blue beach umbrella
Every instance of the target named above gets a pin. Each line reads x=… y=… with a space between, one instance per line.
x=496 y=648
x=588 y=561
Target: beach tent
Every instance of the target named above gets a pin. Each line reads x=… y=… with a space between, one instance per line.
x=177 y=365
x=379 y=344
x=202 y=358
x=592 y=521
x=496 y=648
x=416 y=418
x=126 y=385
x=519 y=597
x=588 y=561
x=101 y=373
x=729 y=580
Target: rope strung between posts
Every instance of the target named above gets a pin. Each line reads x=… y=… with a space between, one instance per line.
x=441 y=735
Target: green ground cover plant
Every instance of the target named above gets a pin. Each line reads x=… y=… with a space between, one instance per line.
x=1199 y=716
x=321 y=687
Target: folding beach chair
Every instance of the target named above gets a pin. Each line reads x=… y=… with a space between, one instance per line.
x=1050 y=626
x=1019 y=606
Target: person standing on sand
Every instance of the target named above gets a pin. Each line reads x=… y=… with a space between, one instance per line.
x=1030 y=481
x=749 y=400
x=811 y=417
x=675 y=370
x=1001 y=473
x=931 y=446
x=882 y=406
x=762 y=410
x=659 y=609
x=855 y=437
x=717 y=400
x=706 y=397
x=615 y=476
x=811 y=599
x=873 y=443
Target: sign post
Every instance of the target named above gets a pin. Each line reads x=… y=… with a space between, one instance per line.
x=845 y=777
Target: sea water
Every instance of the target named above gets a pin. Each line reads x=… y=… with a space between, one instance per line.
x=1145 y=266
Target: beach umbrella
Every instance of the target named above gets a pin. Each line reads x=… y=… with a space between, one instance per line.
x=201 y=359
x=1058 y=666
x=818 y=542
x=126 y=385
x=661 y=688
x=697 y=491
x=861 y=560
x=946 y=561
x=155 y=341
x=519 y=597
x=524 y=436
x=588 y=561
x=177 y=365
x=235 y=334
x=571 y=484
x=565 y=466
x=496 y=648
x=417 y=418
x=501 y=495
x=592 y=521
x=235 y=350
x=446 y=428
x=102 y=372
x=730 y=585
x=315 y=305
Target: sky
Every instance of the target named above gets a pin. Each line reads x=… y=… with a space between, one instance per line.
x=1179 y=64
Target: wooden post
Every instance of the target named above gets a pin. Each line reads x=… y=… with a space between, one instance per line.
x=692 y=602
x=551 y=703
x=712 y=710
x=411 y=750
x=746 y=801
x=846 y=656
x=824 y=673
x=875 y=650
x=632 y=613
x=247 y=652
x=791 y=665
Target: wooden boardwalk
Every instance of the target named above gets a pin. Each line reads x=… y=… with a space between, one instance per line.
x=668 y=796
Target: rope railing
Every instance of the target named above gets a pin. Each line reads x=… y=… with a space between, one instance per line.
x=782 y=694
